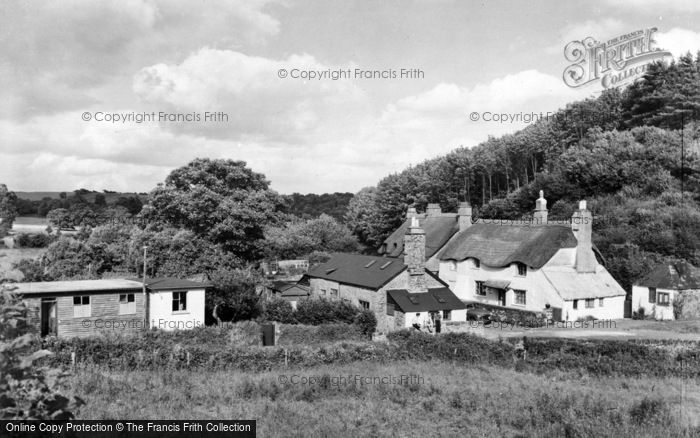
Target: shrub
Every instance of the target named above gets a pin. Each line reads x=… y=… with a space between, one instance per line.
x=650 y=411
x=639 y=314
x=279 y=310
x=39 y=240
x=366 y=321
x=26 y=390
x=320 y=311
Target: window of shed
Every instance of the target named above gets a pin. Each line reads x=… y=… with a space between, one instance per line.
x=127 y=304
x=81 y=307
x=179 y=301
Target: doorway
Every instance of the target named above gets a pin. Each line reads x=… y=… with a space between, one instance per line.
x=48 y=317
x=501 y=297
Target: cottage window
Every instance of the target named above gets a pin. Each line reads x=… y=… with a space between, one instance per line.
x=663 y=298
x=453 y=266
x=364 y=304
x=446 y=315
x=323 y=292
x=334 y=292
x=480 y=289
x=127 y=304
x=590 y=303
x=575 y=304
x=652 y=294
x=179 y=301
x=522 y=269
x=600 y=302
x=519 y=297
x=477 y=263
x=81 y=307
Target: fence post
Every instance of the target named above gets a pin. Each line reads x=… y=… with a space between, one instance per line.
x=72 y=359
x=286 y=358
x=188 y=359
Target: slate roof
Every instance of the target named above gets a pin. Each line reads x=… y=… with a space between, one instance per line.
x=498 y=245
x=51 y=287
x=296 y=290
x=572 y=285
x=435 y=299
x=438 y=230
x=370 y=272
x=169 y=283
x=676 y=276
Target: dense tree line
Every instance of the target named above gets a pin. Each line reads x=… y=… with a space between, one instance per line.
x=311 y=206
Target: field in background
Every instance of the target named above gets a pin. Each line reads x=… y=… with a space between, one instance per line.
x=437 y=398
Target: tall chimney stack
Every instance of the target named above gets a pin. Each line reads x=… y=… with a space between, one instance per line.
x=540 y=215
x=411 y=213
x=414 y=257
x=464 y=216
x=582 y=226
x=433 y=210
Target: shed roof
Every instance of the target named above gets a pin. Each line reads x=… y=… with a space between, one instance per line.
x=572 y=285
x=169 y=283
x=680 y=275
x=52 y=287
x=371 y=272
x=434 y=299
x=498 y=245
x=438 y=230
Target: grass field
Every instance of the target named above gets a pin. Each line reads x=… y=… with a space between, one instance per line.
x=440 y=399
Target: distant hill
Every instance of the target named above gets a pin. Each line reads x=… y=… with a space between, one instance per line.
x=110 y=197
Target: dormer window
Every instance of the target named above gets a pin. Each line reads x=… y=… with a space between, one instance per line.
x=522 y=269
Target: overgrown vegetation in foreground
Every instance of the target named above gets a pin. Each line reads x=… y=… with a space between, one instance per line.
x=237 y=347
x=442 y=399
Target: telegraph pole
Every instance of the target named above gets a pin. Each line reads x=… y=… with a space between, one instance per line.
x=145 y=294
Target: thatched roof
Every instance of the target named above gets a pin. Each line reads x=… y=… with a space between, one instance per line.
x=498 y=245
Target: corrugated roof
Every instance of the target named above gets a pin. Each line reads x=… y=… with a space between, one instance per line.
x=680 y=275
x=167 y=283
x=438 y=230
x=498 y=245
x=435 y=299
x=49 y=287
x=572 y=285
x=371 y=272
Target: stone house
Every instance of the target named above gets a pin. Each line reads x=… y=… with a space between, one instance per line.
x=534 y=265
x=88 y=307
x=390 y=287
x=670 y=291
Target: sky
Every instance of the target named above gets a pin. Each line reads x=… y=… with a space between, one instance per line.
x=107 y=94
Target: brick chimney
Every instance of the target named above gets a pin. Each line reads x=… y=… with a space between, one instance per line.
x=414 y=257
x=411 y=213
x=582 y=226
x=464 y=216
x=433 y=210
x=539 y=217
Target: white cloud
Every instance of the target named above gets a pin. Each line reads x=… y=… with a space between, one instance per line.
x=678 y=41
x=658 y=7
